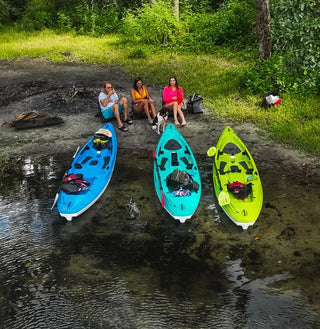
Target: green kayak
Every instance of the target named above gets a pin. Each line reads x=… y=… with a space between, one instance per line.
x=236 y=179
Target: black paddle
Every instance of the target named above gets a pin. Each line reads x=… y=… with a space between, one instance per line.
x=157 y=168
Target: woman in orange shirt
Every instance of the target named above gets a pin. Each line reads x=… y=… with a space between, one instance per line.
x=141 y=100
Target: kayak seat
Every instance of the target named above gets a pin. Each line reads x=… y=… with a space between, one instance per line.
x=185 y=161
x=222 y=166
x=163 y=162
x=172 y=145
x=235 y=169
x=245 y=166
x=86 y=159
x=231 y=148
x=106 y=161
x=93 y=162
x=174 y=159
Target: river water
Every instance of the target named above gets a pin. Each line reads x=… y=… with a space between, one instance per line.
x=126 y=264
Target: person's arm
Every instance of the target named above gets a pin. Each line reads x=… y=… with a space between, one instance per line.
x=166 y=95
x=148 y=95
x=104 y=101
x=133 y=98
x=180 y=96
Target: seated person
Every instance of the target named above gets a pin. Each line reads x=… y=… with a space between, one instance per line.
x=172 y=97
x=141 y=100
x=111 y=106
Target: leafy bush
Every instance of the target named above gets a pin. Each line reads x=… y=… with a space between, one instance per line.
x=4 y=12
x=152 y=24
x=232 y=24
x=39 y=14
x=294 y=66
x=300 y=45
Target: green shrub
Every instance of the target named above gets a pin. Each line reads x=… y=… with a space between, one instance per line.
x=152 y=24
x=4 y=12
x=262 y=76
x=232 y=24
x=39 y=15
x=295 y=34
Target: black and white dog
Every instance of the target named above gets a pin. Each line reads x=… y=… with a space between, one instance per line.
x=160 y=121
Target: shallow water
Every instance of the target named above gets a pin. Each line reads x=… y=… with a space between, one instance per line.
x=126 y=264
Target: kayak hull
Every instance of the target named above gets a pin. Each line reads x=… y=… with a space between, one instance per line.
x=173 y=152
x=97 y=167
x=234 y=163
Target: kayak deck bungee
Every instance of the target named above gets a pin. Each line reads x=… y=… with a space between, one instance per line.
x=94 y=164
x=236 y=179
x=176 y=175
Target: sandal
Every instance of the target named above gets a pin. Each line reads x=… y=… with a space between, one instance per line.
x=183 y=124
x=128 y=121
x=177 y=123
x=122 y=128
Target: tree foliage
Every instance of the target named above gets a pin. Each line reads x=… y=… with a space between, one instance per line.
x=294 y=66
x=203 y=25
x=296 y=37
x=155 y=23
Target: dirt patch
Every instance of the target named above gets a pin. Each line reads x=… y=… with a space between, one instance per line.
x=70 y=91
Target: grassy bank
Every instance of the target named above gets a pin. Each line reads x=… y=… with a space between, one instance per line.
x=215 y=77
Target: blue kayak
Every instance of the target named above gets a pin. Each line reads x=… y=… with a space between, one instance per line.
x=89 y=173
x=176 y=175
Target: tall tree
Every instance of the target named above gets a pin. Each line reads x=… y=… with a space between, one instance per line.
x=263 y=28
x=175 y=5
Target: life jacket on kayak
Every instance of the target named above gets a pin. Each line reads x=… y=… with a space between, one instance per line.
x=101 y=139
x=74 y=183
x=180 y=179
x=240 y=190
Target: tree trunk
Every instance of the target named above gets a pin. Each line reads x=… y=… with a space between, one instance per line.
x=263 y=28
x=175 y=5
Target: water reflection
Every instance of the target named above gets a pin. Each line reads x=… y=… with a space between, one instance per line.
x=126 y=264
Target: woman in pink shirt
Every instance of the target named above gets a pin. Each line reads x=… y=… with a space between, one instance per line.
x=172 y=97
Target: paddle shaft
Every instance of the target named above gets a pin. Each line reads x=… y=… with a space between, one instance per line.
x=158 y=173
x=215 y=167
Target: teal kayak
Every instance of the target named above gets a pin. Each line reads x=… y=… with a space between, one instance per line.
x=236 y=179
x=176 y=175
x=89 y=173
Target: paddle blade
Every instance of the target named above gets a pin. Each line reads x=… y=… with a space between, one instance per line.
x=211 y=151
x=55 y=201
x=162 y=199
x=223 y=199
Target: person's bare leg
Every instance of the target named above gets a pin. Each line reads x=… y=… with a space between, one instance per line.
x=181 y=115
x=138 y=109
x=115 y=109
x=153 y=110
x=175 y=114
x=146 y=111
x=124 y=105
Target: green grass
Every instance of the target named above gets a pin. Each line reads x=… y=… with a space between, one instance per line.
x=216 y=77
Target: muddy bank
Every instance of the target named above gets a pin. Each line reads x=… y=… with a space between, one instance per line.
x=70 y=91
